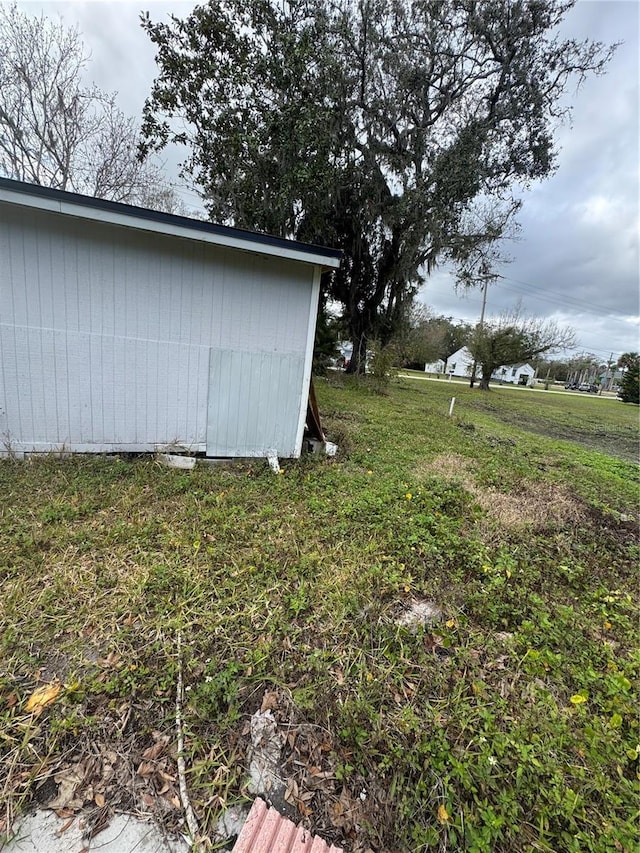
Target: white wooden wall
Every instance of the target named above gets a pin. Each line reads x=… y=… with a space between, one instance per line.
x=106 y=332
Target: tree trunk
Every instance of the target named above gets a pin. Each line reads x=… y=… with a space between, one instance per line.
x=357 y=363
x=483 y=385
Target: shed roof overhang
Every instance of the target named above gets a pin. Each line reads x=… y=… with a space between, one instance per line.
x=154 y=221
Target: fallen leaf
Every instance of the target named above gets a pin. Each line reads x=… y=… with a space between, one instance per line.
x=68 y=781
x=291 y=794
x=64 y=813
x=99 y=800
x=11 y=700
x=42 y=697
x=304 y=809
x=269 y=701
x=145 y=768
x=112 y=661
x=65 y=826
x=339 y=676
x=154 y=751
x=443 y=814
x=166 y=776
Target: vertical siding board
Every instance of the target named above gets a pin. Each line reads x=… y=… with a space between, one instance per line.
x=20 y=272
x=13 y=415
x=313 y=297
x=30 y=296
x=10 y=420
x=46 y=425
x=67 y=246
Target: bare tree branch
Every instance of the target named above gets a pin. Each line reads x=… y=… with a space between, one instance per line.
x=57 y=132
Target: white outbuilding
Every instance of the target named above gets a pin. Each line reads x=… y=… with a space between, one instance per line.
x=127 y=330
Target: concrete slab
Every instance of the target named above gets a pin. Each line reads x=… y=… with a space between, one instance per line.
x=44 y=832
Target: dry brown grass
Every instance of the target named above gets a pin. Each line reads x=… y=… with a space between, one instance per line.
x=535 y=505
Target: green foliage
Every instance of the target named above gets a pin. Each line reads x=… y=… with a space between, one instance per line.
x=325 y=347
x=630 y=385
x=382 y=364
x=310 y=120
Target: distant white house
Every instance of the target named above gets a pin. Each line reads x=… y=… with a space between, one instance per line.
x=516 y=374
x=435 y=366
x=460 y=365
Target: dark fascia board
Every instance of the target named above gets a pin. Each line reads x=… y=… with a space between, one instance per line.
x=317 y=254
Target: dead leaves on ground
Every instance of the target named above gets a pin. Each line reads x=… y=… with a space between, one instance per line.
x=308 y=766
x=154 y=769
x=42 y=696
x=111 y=779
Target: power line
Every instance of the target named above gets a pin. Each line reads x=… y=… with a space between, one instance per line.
x=569 y=301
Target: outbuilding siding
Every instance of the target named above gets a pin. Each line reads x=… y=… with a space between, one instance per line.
x=108 y=335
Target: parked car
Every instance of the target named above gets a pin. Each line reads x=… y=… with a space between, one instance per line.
x=588 y=386
x=571 y=386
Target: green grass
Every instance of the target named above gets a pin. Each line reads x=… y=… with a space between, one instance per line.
x=509 y=726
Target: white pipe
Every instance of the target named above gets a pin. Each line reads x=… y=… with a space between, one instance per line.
x=453 y=402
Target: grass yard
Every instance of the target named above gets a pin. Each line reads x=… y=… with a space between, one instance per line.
x=510 y=724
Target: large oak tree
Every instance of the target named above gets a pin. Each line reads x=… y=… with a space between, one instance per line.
x=369 y=125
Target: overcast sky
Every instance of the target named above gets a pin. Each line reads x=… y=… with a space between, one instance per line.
x=576 y=259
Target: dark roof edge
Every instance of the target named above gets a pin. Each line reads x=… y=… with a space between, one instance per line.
x=166 y=218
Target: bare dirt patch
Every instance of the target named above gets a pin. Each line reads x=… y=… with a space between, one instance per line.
x=535 y=505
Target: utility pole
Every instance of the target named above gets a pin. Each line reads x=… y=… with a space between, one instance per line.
x=606 y=376
x=485 y=285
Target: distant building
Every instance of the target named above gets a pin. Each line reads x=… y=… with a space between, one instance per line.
x=515 y=374
x=435 y=366
x=460 y=365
